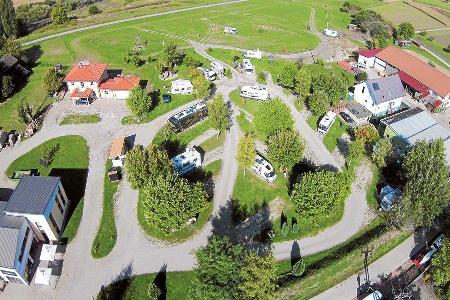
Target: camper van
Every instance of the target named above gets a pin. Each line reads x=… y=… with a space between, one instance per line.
x=253 y=54
x=264 y=169
x=330 y=32
x=326 y=122
x=181 y=86
x=209 y=74
x=187 y=161
x=256 y=91
x=248 y=67
x=188 y=117
x=218 y=68
x=230 y=30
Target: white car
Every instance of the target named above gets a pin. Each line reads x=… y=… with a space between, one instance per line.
x=209 y=74
x=264 y=169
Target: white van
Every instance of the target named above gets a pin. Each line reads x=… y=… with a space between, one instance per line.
x=248 y=67
x=326 y=122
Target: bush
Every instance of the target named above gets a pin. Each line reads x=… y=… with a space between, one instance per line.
x=273 y=116
x=298 y=269
x=53 y=81
x=192 y=62
x=154 y=292
x=262 y=77
x=93 y=10
x=7 y=87
x=295 y=227
x=361 y=77
x=285 y=229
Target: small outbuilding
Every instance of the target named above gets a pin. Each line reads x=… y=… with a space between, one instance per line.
x=118 y=151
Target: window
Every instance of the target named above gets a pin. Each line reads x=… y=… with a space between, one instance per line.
x=52 y=220
x=59 y=206
x=14 y=279
x=82 y=84
x=364 y=88
x=22 y=250
x=8 y=272
x=63 y=200
x=92 y=83
x=72 y=83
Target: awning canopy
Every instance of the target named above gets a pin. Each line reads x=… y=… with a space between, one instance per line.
x=413 y=83
x=48 y=252
x=43 y=276
x=85 y=94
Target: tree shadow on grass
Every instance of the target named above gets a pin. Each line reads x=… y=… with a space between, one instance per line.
x=161 y=282
x=117 y=289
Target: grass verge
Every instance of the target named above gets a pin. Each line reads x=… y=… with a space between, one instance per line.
x=313 y=121
x=106 y=233
x=80 y=119
x=213 y=142
x=331 y=139
x=214 y=167
x=372 y=194
x=71 y=229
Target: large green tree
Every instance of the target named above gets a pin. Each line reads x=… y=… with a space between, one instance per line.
x=139 y=102
x=12 y=47
x=246 y=152
x=258 y=277
x=60 y=13
x=427 y=190
x=286 y=77
x=302 y=83
x=382 y=151
x=137 y=167
x=331 y=83
x=441 y=265
x=8 y=22
x=273 y=116
x=7 y=86
x=201 y=86
x=159 y=162
x=318 y=103
x=285 y=148
x=405 y=31
x=218 y=114
x=53 y=81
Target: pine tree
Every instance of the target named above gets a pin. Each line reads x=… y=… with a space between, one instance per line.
x=8 y=22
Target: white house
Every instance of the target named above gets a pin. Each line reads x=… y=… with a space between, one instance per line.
x=187 y=161
x=118 y=151
x=381 y=96
x=118 y=87
x=366 y=58
x=248 y=67
x=181 y=86
x=253 y=54
x=256 y=91
x=83 y=81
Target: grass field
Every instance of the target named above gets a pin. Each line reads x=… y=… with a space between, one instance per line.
x=213 y=142
x=331 y=139
x=426 y=56
x=80 y=119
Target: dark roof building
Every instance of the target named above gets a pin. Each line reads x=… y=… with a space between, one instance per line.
x=9 y=236
x=9 y=65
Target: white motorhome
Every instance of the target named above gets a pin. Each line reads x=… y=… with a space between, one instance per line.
x=330 y=32
x=253 y=54
x=209 y=74
x=326 y=122
x=218 y=68
x=230 y=30
x=248 y=67
x=187 y=161
x=181 y=86
x=264 y=169
x=256 y=91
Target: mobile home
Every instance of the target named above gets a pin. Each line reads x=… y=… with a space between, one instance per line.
x=188 y=117
x=187 y=161
x=256 y=91
x=181 y=86
x=230 y=30
x=326 y=122
x=248 y=67
x=264 y=169
x=253 y=54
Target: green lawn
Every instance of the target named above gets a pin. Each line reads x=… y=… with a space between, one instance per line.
x=106 y=236
x=313 y=121
x=428 y=56
x=249 y=105
x=71 y=164
x=213 y=167
x=332 y=137
x=213 y=142
x=80 y=119
x=434 y=45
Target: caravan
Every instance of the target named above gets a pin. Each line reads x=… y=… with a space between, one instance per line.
x=330 y=32
x=181 y=86
x=230 y=30
x=209 y=74
x=218 y=68
x=248 y=67
x=253 y=54
x=256 y=91
x=264 y=169
x=187 y=161
x=326 y=122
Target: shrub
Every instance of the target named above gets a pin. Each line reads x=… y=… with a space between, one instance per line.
x=154 y=292
x=192 y=62
x=295 y=227
x=93 y=10
x=298 y=269
x=285 y=229
x=262 y=77
x=7 y=87
x=361 y=77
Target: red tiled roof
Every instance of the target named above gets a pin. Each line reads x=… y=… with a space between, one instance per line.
x=369 y=52
x=91 y=72
x=345 y=66
x=434 y=79
x=85 y=94
x=120 y=83
x=418 y=86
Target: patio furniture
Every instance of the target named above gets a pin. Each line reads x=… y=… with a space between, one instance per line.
x=43 y=276
x=48 y=252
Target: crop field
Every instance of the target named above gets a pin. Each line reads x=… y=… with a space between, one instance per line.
x=442 y=37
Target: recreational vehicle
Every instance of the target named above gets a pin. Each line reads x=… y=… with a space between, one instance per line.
x=218 y=68
x=256 y=91
x=209 y=74
x=230 y=30
x=330 y=32
x=188 y=117
x=248 y=67
x=326 y=122
x=187 y=161
x=253 y=54
x=181 y=86
x=264 y=169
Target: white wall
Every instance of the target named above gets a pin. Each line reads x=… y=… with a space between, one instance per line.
x=380 y=65
x=362 y=96
x=118 y=95
x=72 y=86
x=368 y=61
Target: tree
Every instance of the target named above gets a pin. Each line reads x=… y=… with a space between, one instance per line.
x=218 y=114
x=257 y=277
x=217 y=269
x=379 y=41
x=427 y=189
x=382 y=151
x=8 y=22
x=59 y=13
x=405 y=31
x=134 y=55
x=287 y=76
x=318 y=103
x=94 y=10
x=53 y=81
x=7 y=87
x=137 y=167
x=362 y=76
x=191 y=61
x=154 y=292
x=441 y=265
x=202 y=86
x=246 y=152
x=12 y=47
x=139 y=102
x=285 y=148
x=273 y=116
x=159 y=162
x=366 y=133
x=334 y=85
x=302 y=83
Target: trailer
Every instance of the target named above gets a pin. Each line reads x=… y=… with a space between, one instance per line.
x=230 y=30
x=188 y=117
x=253 y=54
x=264 y=169
x=330 y=32
x=181 y=86
x=326 y=122
x=248 y=67
x=218 y=68
x=256 y=91
x=187 y=161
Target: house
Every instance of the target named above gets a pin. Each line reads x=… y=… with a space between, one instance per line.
x=83 y=81
x=9 y=65
x=366 y=58
x=408 y=127
x=359 y=114
x=187 y=161
x=420 y=78
x=181 y=86
x=380 y=96
x=118 y=151
x=43 y=202
x=118 y=87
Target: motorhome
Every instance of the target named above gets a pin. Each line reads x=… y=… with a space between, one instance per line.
x=256 y=91
x=253 y=54
x=218 y=68
x=181 y=86
x=326 y=122
x=187 y=161
x=209 y=74
x=230 y=30
x=248 y=67
x=188 y=117
x=330 y=32
x=264 y=169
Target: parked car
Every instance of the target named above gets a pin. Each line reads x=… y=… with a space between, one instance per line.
x=426 y=254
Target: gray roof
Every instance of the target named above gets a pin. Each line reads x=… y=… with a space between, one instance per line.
x=385 y=89
x=8 y=246
x=9 y=221
x=32 y=194
x=358 y=110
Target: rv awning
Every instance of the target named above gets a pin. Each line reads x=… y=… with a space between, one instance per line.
x=43 y=276
x=48 y=252
x=413 y=83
